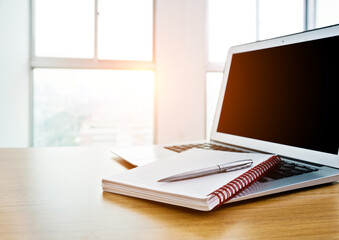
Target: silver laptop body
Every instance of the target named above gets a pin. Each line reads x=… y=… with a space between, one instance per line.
x=278 y=96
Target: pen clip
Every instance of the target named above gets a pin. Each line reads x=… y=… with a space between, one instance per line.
x=236 y=165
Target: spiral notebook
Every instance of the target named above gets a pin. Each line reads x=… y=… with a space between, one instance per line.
x=203 y=193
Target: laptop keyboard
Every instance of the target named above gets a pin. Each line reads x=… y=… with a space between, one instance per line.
x=208 y=146
x=287 y=169
x=282 y=170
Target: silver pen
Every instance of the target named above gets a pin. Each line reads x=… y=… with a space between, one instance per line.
x=227 y=167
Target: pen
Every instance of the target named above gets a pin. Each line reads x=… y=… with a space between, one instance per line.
x=227 y=167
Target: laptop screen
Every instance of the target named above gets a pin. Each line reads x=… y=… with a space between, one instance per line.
x=287 y=95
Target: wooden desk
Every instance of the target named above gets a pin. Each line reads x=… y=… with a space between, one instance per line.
x=55 y=193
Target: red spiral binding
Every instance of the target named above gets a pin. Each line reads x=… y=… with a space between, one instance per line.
x=228 y=191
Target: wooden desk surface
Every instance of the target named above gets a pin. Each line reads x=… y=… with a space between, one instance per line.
x=55 y=193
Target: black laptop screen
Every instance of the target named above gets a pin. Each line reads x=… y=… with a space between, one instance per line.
x=287 y=95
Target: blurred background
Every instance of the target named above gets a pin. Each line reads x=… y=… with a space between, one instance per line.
x=128 y=72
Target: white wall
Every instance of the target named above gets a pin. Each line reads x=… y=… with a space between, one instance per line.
x=180 y=70
x=14 y=73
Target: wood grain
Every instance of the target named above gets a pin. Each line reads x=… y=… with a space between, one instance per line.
x=55 y=193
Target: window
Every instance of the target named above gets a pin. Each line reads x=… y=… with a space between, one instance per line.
x=234 y=22
x=278 y=18
x=125 y=30
x=327 y=12
x=238 y=17
x=59 y=32
x=93 y=72
x=92 y=107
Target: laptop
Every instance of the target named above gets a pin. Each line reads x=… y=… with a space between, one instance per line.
x=278 y=96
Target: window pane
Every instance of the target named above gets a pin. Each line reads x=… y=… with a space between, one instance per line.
x=280 y=17
x=327 y=12
x=230 y=23
x=64 y=28
x=92 y=107
x=125 y=29
x=213 y=84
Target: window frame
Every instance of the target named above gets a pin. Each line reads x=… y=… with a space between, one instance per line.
x=89 y=63
x=85 y=63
